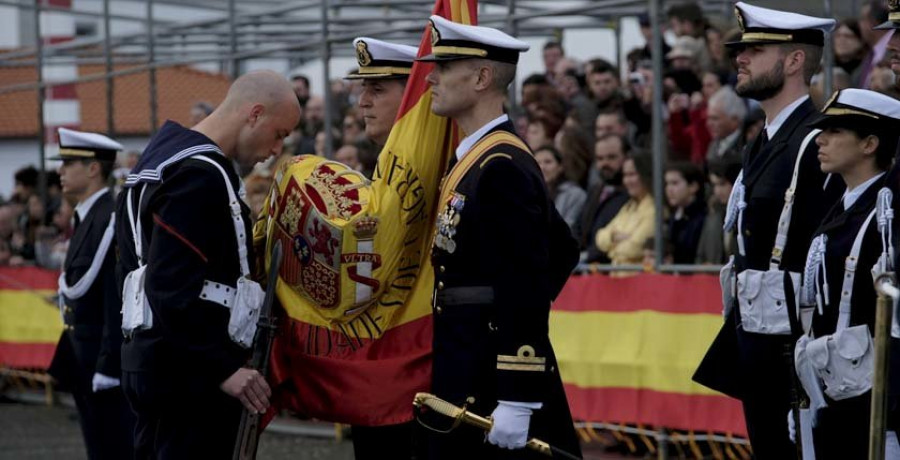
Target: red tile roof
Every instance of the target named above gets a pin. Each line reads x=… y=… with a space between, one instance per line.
x=178 y=88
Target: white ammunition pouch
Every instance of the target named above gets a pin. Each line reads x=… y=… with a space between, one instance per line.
x=245 y=300
x=761 y=295
x=763 y=302
x=136 y=313
x=844 y=361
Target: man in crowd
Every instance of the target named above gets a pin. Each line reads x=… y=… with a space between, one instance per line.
x=492 y=297
x=725 y=114
x=552 y=53
x=751 y=359
x=184 y=241
x=605 y=198
x=87 y=359
x=872 y=13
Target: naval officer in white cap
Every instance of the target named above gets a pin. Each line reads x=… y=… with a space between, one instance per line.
x=501 y=254
x=384 y=69
x=87 y=359
x=778 y=202
x=835 y=358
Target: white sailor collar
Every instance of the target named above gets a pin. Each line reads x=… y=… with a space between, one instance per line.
x=773 y=126
x=84 y=207
x=466 y=144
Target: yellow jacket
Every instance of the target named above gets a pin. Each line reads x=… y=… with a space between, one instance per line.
x=636 y=219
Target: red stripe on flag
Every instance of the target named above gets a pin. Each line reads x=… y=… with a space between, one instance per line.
x=369 y=385
x=26 y=355
x=28 y=278
x=719 y=414
x=663 y=293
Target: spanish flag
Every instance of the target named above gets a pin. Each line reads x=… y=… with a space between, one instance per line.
x=355 y=285
x=627 y=348
x=30 y=324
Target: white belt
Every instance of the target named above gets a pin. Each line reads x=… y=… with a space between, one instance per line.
x=219 y=293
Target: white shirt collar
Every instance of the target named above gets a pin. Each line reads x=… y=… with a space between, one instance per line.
x=850 y=196
x=773 y=126
x=84 y=207
x=466 y=144
x=880 y=49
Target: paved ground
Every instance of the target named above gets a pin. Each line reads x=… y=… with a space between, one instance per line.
x=33 y=431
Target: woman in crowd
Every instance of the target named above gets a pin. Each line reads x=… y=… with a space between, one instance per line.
x=849 y=47
x=574 y=145
x=542 y=130
x=566 y=195
x=623 y=238
x=715 y=244
x=687 y=211
x=835 y=357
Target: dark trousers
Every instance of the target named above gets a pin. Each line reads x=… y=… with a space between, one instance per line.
x=174 y=424
x=842 y=431
x=389 y=441
x=107 y=423
x=767 y=393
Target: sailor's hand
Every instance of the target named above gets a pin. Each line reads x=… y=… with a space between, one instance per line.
x=250 y=387
x=792 y=430
x=510 y=428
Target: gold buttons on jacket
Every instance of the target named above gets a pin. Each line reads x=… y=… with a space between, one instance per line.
x=440 y=285
x=438 y=310
x=442 y=269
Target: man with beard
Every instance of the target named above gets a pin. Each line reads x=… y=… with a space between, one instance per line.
x=604 y=198
x=779 y=200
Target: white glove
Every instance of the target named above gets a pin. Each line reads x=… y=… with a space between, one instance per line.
x=510 y=428
x=102 y=382
x=792 y=429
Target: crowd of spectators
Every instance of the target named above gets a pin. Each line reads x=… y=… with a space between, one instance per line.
x=588 y=123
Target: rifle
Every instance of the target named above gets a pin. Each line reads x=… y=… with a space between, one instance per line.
x=248 y=430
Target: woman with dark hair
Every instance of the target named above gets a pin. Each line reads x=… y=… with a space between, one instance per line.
x=566 y=195
x=623 y=238
x=715 y=243
x=574 y=146
x=835 y=356
x=687 y=211
x=849 y=47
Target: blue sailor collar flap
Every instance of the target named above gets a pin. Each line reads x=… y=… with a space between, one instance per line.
x=171 y=144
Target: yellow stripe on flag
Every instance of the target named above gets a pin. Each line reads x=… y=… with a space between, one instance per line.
x=27 y=318
x=640 y=350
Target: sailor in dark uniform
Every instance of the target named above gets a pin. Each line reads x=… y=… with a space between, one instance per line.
x=87 y=357
x=186 y=254
x=384 y=68
x=777 y=203
x=858 y=141
x=501 y=255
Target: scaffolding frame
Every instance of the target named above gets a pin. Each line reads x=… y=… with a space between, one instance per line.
x=305 y=30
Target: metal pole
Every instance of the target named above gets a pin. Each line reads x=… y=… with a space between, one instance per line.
x=326 y=75
x=657 y=131
x=886 y=288
x=151 y=56
x=41 y=94
x=620 y=62
x=829 y=56
x=662 y=440
x=234 y=71
x=110 y=89
x=512 y=26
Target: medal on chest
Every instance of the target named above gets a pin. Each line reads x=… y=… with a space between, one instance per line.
x=447 y=221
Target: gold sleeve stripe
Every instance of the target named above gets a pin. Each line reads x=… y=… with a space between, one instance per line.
x=521 y=359
x=521 y=367
x=495 y=155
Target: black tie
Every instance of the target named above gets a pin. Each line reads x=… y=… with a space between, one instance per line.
x=77 y=222
x=765 y=138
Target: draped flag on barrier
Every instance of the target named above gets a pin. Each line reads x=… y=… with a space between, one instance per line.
x=356 y=281
x=627 y=348
x=30 y=324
